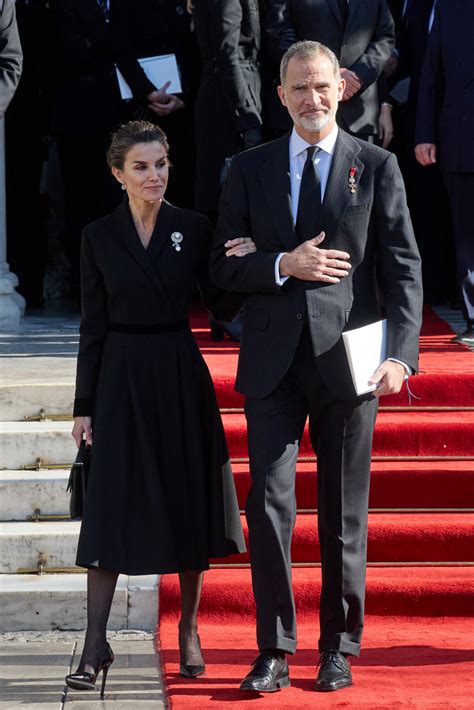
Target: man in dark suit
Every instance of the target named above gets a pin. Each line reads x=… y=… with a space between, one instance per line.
x=445 y=120
x=361 y=35
x=10 y=54
x=328 y=215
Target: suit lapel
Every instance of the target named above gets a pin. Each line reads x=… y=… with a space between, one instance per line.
x=274 y=176
x=337 y=196
x=164 y=228
x=131 y=241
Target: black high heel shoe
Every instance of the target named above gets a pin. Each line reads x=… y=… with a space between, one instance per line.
x=189 y=670
x=86 y=681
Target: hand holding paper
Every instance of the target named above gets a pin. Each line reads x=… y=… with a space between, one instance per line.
x=388 y=377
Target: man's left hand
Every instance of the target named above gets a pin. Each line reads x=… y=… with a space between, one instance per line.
x=389 y=376
x=353 y=83
x=173 y=103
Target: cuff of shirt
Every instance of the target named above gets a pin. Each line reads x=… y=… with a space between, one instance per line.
x=408 y=369
x=279 y=280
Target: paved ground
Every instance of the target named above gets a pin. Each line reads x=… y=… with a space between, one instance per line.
x=33 y=666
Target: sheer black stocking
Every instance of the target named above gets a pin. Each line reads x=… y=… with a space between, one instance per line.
x=190 y=648
x=100 y=593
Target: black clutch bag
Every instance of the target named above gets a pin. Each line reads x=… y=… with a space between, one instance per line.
x=77 y=483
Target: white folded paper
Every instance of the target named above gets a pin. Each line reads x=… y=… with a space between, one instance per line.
x=366 y=348
x=159 y=70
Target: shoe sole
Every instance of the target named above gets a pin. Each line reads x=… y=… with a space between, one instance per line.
x=330 y=688
x=79 y=685
x=279 y=685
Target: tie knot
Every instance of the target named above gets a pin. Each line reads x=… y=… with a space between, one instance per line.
x=311 y=150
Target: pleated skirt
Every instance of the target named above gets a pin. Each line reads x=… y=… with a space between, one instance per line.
x=161 y=495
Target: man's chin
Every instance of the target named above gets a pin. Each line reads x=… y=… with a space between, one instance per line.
x=313 y=123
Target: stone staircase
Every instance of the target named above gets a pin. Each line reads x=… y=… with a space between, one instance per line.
x=40 y=587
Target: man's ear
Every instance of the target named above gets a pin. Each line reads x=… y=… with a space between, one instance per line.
x=340 y=89
x=281 y=94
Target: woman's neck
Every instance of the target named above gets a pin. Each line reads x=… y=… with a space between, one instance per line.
x=144 y=215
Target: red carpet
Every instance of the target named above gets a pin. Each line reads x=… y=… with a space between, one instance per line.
x=419 y=638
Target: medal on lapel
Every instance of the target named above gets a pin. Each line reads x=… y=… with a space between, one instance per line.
x=351 y=179
x=177 y=238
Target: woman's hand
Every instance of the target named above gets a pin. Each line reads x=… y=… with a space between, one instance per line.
x=82 y=425
x=240 y=246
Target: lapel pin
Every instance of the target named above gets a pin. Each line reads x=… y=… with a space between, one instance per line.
x=351 y=180
x=177 y=238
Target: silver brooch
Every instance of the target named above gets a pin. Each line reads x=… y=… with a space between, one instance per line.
x=177 y=238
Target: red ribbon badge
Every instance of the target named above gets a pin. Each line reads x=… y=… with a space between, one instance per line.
x=351 y=180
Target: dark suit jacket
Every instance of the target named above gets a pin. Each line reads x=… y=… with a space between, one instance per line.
x=364 y=46
x=10 y=54
x=446 y=96
x=228 y=101
x=372 y=225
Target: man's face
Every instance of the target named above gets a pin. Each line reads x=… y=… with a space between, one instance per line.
x=311 y=93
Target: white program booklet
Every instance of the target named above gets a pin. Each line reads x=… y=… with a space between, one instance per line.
x=159 y=70
x=366 y=348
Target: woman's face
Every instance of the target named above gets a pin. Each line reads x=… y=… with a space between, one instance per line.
x=145 y=171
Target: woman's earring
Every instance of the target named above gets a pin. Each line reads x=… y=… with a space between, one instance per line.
x=123 y=187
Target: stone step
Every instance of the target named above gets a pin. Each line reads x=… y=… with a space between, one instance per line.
x=28 y=547
x=22 y=443
x=24 y=492
x=32 y=602
x=24 y=399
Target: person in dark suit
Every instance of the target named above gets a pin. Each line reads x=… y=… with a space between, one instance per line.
x=25 y=144
x=227 y=110
x=10 y=54
x=335 y=251
x=160 y=495
x=427 y=196
x=361 y=35
x=445 y=128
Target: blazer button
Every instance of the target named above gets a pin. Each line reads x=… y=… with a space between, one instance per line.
x=299 y=316
x=308 y=283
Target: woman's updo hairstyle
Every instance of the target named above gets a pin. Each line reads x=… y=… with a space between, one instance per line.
x=129 y=135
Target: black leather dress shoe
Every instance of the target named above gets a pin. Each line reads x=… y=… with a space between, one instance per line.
x=268 y=675
x=334 y=671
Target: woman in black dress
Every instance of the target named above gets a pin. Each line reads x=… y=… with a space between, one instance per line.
x=160 y=496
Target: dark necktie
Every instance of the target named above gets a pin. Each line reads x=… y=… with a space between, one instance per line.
x=309 y=202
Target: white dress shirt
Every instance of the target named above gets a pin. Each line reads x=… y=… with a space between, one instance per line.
x=322 y=160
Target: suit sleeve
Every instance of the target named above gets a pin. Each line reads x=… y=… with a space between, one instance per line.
x=370 y=64
x=93 y=329
x=247 y=274
x=398 y=265
x=226 y=19
x=281 y=33
x=11 y=58
x=431 y=88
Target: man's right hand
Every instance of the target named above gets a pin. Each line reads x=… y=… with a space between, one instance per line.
x=425 y=153
x=309 y=263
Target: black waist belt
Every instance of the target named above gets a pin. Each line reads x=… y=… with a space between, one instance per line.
x=147 y=328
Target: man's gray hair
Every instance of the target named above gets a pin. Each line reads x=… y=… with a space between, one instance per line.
x=305 y=51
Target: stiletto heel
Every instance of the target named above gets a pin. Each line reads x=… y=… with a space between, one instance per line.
x=105 y=671
x=87 y=681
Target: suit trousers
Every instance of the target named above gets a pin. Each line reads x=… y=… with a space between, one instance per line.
x=341 y=435
x=460 y=188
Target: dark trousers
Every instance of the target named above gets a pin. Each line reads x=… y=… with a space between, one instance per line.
x=460 y=187
x=341 y=435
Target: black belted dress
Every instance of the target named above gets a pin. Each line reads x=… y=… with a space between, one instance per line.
x=161 y=495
